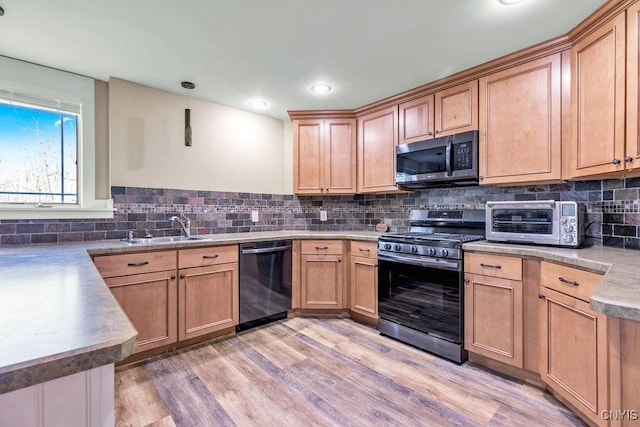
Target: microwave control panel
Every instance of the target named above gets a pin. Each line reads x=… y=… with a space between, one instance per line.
x=462 y=156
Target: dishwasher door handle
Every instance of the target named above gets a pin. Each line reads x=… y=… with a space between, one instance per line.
x=264 y=250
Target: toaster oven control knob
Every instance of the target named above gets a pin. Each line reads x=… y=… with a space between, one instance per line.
x=397 y=248
x=414 y=250
x=387 y=246
x=564 y=220
x=568 y=239
x=568 y=228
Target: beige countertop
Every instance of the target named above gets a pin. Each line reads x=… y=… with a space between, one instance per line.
x=58 y=317
x=617 y=295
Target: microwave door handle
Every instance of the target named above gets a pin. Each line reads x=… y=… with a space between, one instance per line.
x=448 y=158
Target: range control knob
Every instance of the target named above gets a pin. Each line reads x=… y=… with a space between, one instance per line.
x=397 y=247
x=432 y=251
x=568 y=239
x=414 y=250
x=444 y=253
x=387 y=246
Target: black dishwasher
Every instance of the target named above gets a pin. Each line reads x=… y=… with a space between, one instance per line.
x=265 y=282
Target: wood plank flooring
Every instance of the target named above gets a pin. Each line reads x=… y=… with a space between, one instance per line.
x=323 y=372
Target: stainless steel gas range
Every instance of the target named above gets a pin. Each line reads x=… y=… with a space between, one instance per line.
x=420 y=280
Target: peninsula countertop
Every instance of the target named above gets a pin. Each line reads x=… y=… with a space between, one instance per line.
x=617 y=295
x=58 y=317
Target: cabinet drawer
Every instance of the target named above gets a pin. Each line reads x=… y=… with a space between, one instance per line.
x=364 y=249
x=568 y=280
x=493 y=265
x=322 y=247
x=135 y=263
x=201 y=257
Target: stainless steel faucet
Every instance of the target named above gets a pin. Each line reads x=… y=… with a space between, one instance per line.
x=184 y=223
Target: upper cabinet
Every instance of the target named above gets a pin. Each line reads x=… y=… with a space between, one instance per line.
x=324 y=156
x=377 y=140
x=446 y=112
x=632 y=154
x=597 y=143
x=520 y=123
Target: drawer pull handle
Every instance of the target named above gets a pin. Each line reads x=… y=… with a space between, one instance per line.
x=214 y=256
x=482 y=264
x=322 y=247
x=138 y=264
x=568 y=282
x=365 y=250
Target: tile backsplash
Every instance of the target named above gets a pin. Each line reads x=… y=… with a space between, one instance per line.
x=613 y=211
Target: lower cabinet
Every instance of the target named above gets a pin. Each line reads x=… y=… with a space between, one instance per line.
x=493 y=314
x=322 y=274
x=171 y=296
x=208 y=299
x=364 y=279
x=493 y=307
x=575 y=354
x=150 y=302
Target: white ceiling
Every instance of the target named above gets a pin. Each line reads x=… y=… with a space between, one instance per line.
x=236 y=50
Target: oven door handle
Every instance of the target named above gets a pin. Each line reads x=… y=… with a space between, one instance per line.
x=444 y=264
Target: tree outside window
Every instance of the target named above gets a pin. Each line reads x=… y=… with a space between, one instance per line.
x=38 y=155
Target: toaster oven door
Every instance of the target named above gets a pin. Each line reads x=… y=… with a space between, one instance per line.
x=527 y=224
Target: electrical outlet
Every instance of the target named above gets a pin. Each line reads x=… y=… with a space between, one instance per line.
x=254 y=216
x=323 y=215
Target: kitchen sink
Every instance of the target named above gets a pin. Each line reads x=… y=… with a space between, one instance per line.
x=167 y=239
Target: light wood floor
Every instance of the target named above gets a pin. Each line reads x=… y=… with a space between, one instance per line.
x=323 y=372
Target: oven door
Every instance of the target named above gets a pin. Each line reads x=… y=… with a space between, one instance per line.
x=424 y=298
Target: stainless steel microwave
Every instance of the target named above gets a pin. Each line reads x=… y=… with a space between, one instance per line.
x=444 y=161
x=540 y=222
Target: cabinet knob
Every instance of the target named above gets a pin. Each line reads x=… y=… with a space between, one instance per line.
x=173 y=277
x=429 y=133
x=628 y=159
x=616 y=161
x=541 y=296
x=182 y=276
x=466 y=281
x=437 y=131
x=481 y=177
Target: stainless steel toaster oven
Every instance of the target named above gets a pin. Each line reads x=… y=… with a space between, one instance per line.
x=539 y=222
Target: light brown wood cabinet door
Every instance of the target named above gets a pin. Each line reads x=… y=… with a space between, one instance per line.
x=632 y=154
x=322 y=281
x=456 y=109
x=574 y=352
x=150 y=301
x=308 y=156
x=597 y=143
x=208 y=299
x=377 y=140
x=415 y=121
x=364 y=286
x=324 y=156
x=340 y=156
x=493 y=313
x=520 y=123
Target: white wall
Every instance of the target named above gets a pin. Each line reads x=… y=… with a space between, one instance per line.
x=233 y=150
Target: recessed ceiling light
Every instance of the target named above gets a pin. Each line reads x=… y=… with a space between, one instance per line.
x=320 y=88
x=508 y=2
x=258 y=103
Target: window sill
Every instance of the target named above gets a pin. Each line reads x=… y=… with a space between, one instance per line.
x=102 y=209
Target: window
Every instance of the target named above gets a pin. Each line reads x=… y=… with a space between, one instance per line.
x=48 y=144
x=38 y=155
